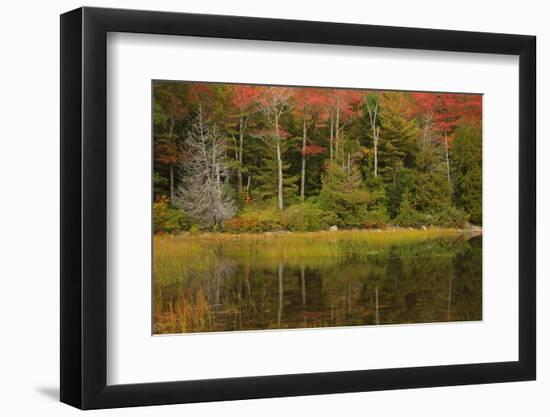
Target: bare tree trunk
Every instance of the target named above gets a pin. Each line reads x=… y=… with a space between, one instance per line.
x=247 y=282
x=248 y=187
x=280 y=175
x=447 y=156
x=201 y=126
x=304 y=139
x=376 y=136
x=170 y=138
x=331 y=135
x=172 y=194
x=337 y=127
x=214 y=158
x=279 y=164
x=218 y=182
x=240 y=155
x=373 y=116
x=349 y=167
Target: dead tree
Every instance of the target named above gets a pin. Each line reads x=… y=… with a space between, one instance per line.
x=204 y=192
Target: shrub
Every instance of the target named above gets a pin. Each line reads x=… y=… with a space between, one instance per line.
x=350 y=208
x=251 y=220
x=176 y=221
x=377 y=193
x=343 y=194
x=395 y=190
x=432 y=192
x=306 y=217
x=160 y=206
x=377 y=219
x=411 y=218
x=408 y=216
x=450 y=217
x=168 y=219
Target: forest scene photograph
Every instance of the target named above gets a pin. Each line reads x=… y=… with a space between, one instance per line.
x=278 y=207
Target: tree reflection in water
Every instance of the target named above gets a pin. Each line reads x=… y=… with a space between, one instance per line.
x=430 y=281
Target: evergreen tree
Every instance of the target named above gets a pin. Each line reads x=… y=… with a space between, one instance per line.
x=343 y=194
x=431 y=153
x=432 y=192
x=169 y=108
x=352 y=158
x=409 y=216
x=266 y=177
x=398 y=136
x=403 y=182
x=467 y=171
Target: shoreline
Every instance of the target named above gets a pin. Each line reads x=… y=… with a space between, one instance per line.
x=392 y=230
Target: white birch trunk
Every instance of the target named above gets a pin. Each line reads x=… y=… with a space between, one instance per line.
x=376 y=136
x=331 y=135
x=303 y=178
x=447 y=156
x=170 y=138
x=373 y=117
x=279 y=164
x=240 y=156
x=337 y=127
x=172 y=193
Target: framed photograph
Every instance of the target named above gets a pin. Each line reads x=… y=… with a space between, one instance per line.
x=258 y=208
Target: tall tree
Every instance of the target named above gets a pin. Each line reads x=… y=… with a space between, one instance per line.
x=344 y=107
x=398 y=133
x=267 y=169
x=274 y=102
x=427 y=158
x=244 y=100
x=467 y=170
x=309 y=103
x=372 y=103
x=169 y=108
x=448 y=111
x=204 y=192
x=426 y=146
x=344 y=195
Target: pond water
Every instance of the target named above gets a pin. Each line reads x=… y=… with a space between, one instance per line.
x=425 y=281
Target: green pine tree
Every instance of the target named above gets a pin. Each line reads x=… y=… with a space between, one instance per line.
x=467 y=171
x=266 y=176
x=398 y=136
x=343 y=194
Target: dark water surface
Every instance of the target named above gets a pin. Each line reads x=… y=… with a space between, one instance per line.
x=437 y=280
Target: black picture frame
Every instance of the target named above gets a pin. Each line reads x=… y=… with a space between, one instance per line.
x=84 y=207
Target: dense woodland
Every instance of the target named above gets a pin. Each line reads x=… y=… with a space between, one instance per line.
x=244 y=158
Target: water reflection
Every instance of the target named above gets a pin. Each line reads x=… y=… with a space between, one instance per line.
x=429 y=281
